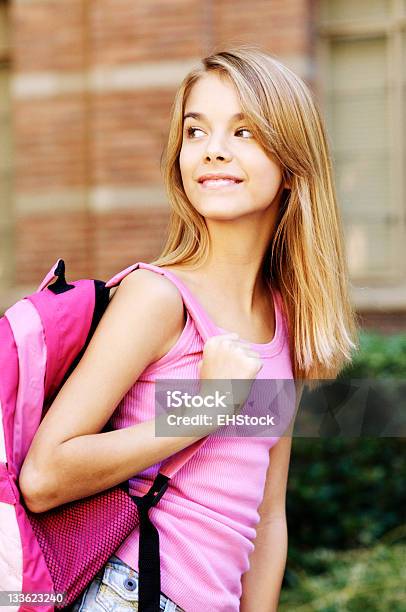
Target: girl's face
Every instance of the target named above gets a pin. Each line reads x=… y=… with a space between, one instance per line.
x=215 y=141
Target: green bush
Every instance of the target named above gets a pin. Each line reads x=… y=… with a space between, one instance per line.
x=351 y=581
x=345 y=494
x=379 y=356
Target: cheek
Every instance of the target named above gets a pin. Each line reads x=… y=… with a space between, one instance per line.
x=185 y=165
x=266 y=181
x=272 y=172
x=181 y=160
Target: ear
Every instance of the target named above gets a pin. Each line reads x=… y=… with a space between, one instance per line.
x=287 y=183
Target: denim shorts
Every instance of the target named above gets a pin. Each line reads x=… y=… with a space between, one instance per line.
x=115 y=589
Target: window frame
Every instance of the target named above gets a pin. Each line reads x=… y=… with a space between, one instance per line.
x=382 y=290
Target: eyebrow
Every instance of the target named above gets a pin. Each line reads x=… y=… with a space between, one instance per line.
x=237 y=116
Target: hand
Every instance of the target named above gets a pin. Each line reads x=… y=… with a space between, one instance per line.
x=226 y=357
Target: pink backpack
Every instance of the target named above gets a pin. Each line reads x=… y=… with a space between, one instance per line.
x=42 y=338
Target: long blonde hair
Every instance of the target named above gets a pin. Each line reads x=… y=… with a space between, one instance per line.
x=305 y=258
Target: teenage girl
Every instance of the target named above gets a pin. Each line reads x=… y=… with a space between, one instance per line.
x=255 y=237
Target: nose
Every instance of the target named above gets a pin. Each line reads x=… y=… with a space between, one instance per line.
x=217 y=150
x=209 y=157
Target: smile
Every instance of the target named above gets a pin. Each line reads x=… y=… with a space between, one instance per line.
x=219 y=183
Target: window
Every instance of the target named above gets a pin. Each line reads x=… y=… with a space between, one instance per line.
x=6 y=226
x=363 y=79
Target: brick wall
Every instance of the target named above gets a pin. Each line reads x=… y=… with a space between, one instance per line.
x=383 y=322
x=75 y=140
x=93 y=87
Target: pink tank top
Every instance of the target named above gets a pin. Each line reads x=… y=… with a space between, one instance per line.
x=208 y=515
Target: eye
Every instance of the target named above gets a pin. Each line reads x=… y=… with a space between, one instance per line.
x=244 y=130
x=190 y=131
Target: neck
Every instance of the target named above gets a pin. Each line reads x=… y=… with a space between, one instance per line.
x=236 y=254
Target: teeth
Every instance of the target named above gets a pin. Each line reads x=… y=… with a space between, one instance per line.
x=219 y=182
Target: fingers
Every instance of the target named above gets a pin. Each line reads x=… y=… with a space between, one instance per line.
x=240 y=341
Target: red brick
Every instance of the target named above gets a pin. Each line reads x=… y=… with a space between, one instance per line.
x=48 y=35
x=50 y=143
x=92 y=245
x=124 y=31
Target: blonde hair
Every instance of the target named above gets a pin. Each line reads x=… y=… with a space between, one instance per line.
x=305 y=258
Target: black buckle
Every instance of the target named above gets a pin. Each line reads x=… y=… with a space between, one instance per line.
x=156 y=491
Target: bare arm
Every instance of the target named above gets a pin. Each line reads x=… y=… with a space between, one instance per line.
x=261 y=584
x=69 y=458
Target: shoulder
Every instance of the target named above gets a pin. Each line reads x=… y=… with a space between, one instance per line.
x=149 y=298
x=155 y=284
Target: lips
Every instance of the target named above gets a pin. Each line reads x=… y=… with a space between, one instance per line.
x=211 y=178
x=220 y=185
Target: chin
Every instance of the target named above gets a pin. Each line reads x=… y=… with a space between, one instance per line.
x=222 y=209
x=222 y=215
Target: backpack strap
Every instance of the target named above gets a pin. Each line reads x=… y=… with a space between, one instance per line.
x=26 y=326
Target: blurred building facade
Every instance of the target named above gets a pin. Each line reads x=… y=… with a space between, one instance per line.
x=86 y=89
